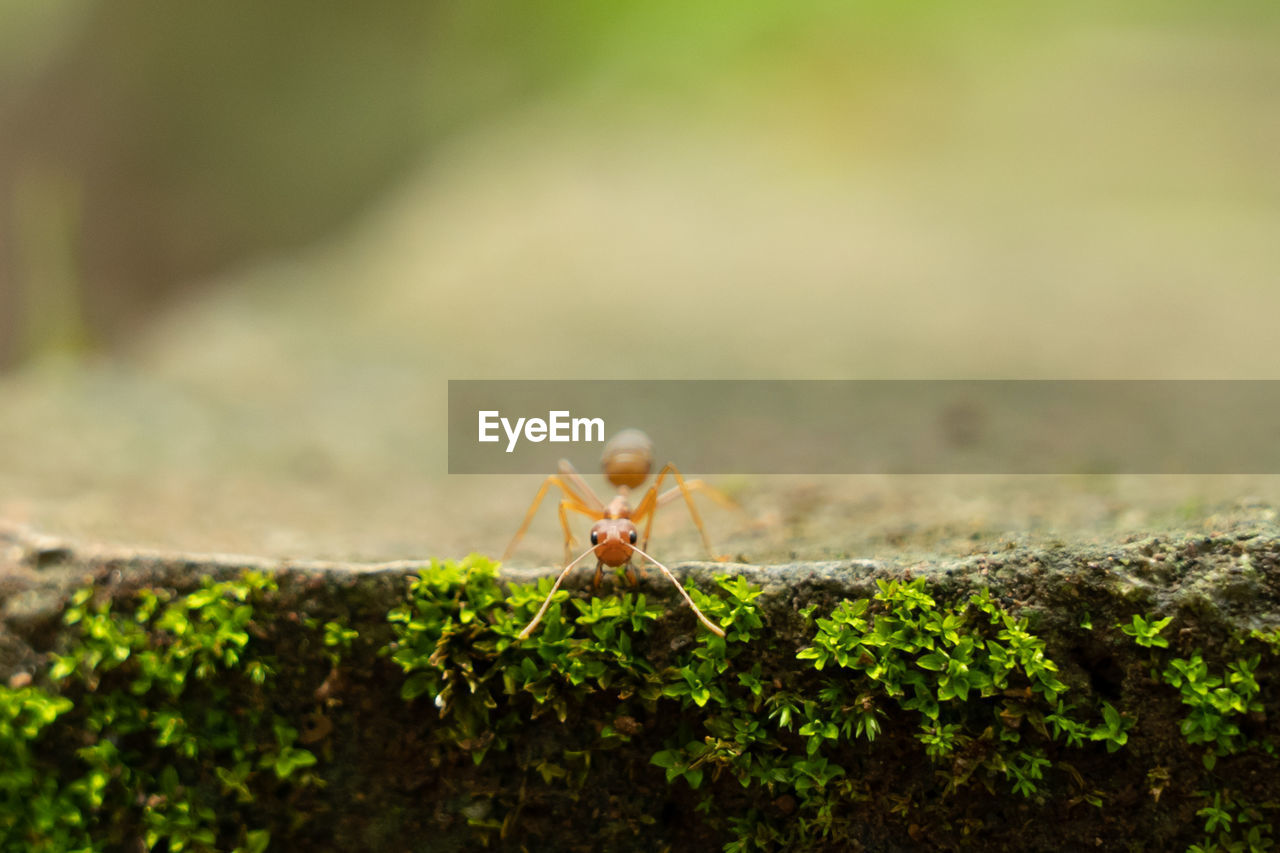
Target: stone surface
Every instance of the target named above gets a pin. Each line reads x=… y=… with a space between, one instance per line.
x=1229 y=579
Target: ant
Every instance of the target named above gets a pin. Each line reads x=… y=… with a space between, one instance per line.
x=627 y=461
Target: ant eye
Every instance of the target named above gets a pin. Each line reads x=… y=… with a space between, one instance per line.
x=633 y=537
x=595 y=538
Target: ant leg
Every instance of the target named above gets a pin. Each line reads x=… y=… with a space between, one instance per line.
x=649 y=505
x=699 y=486
x=569 y=542
x=572 y=499
x=585 y=494
x=595 y=581
x=632 y=580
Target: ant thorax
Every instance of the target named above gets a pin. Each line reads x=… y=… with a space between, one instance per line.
x=619 y=507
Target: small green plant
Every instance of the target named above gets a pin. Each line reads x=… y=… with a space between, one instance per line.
x=1114 y=730
x=1269 y=638
x=456 y=642
x=1147 y=632
x=1232 y=825
x=166 y=699
x=970 y=673
x=34 y=808
x=1217 y=702
x=337 y=640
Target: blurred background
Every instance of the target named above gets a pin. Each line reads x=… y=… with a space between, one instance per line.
x=244 y=246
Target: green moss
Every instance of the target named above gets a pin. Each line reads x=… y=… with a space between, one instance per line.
x=1219 y=702
x=983 y=696
x=969 y=682
x=966 y=673
x=239 y=716
x=1233 y=825
x=33 y=807
x=155 y=723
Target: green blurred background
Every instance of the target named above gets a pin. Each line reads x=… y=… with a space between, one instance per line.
x=243 y=246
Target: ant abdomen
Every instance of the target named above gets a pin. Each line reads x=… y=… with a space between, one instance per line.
x=627 y=459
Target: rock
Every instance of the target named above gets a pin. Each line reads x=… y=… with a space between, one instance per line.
x=395 y=776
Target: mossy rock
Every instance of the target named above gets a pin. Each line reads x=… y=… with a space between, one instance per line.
x=1119 y=696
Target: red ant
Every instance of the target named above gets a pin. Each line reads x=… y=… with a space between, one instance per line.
x=627 y=461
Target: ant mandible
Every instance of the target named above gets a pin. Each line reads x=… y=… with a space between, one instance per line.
x=627 y=461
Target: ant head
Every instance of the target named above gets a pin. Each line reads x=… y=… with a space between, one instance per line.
x=612 y=539
x=628 y=458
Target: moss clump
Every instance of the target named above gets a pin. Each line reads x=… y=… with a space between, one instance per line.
x=977 y=681
x=254 y=711
x=156 y=724
x=794 y=748
x=967 y=682
x=1220 y=706
x=34 y=808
